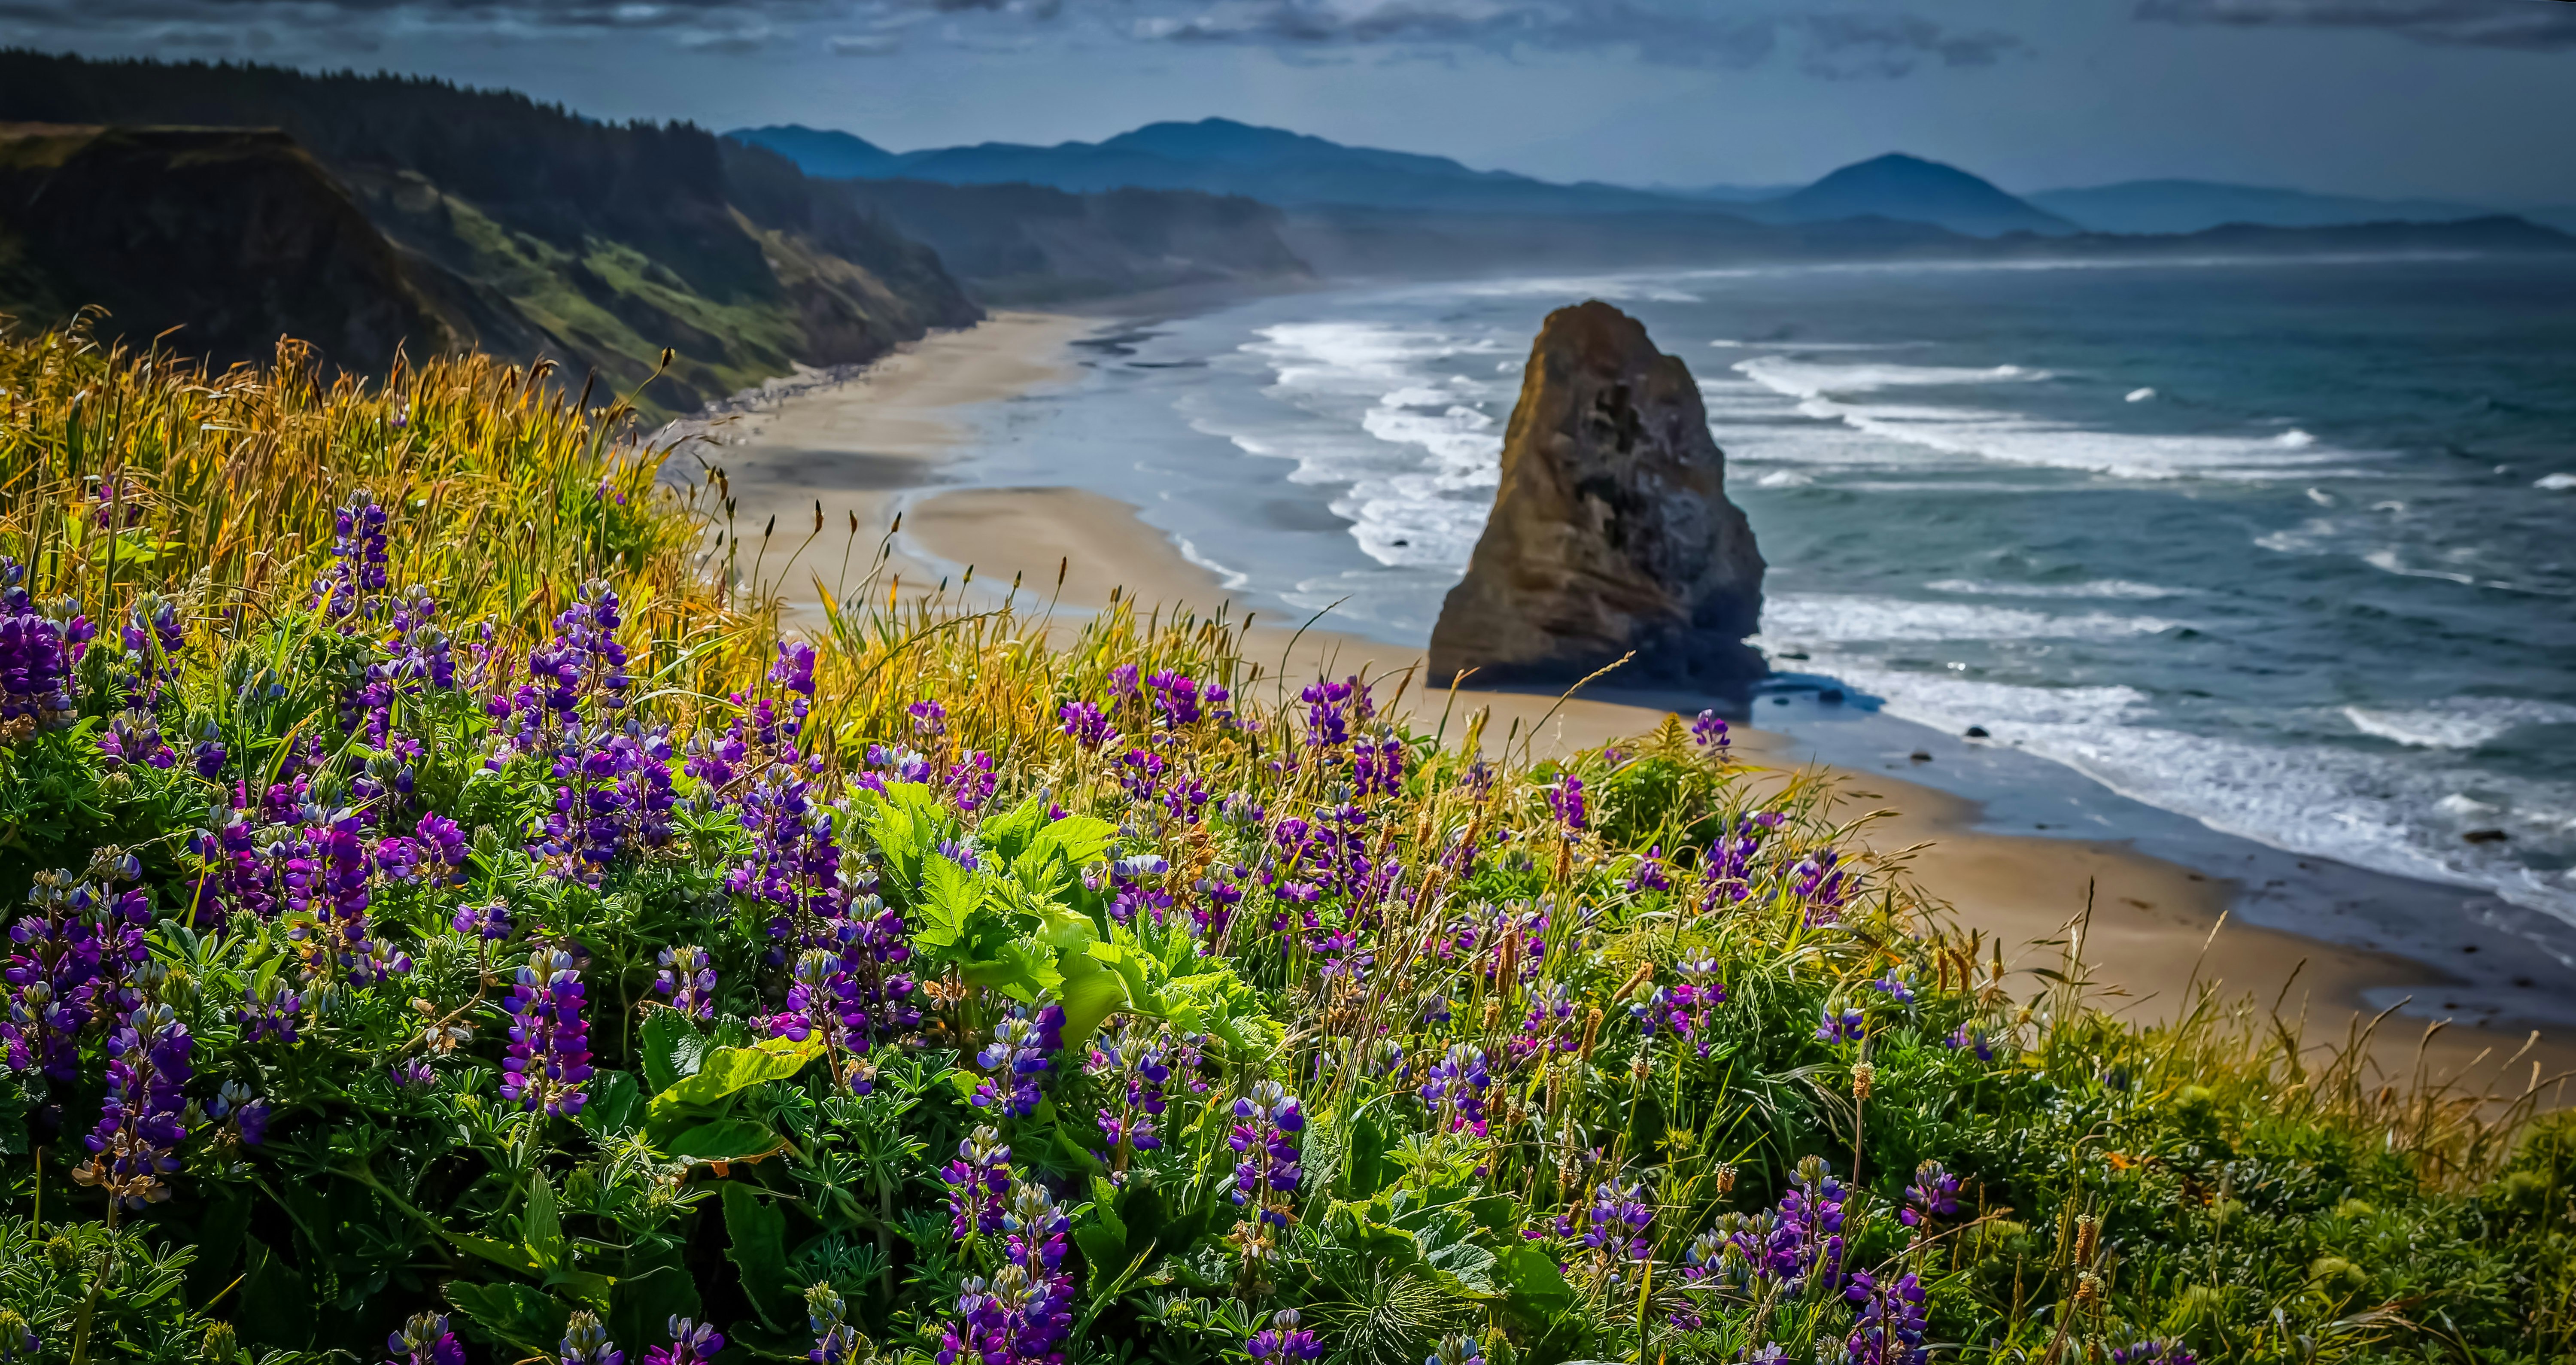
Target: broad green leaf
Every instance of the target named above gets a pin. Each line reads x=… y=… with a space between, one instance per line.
x=514 y=1257
x=512 y=1313
x=616 y=1102
x=757 y=1234
x=1019 y=969
x=729 y=1070
x=672 y=1048
x=653 y=1287
x=541 y=1228
x=721 y=1140
x=1094 y=987
x=1530 y=1279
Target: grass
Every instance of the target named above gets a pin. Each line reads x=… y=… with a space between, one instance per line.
x=959 y=985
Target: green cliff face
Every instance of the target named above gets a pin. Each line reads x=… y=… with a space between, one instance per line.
x=368 y=214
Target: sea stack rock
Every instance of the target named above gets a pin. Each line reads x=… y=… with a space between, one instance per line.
x=1611 y=531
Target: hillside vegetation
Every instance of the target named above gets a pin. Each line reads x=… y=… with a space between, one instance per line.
x=447 y=923
x=519 y=228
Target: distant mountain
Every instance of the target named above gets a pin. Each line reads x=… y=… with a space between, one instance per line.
x=1034 y=244
x=2194 y=205
x=1726 y=194
x=824 y=152
x=1913 y=190
x=1221 y=156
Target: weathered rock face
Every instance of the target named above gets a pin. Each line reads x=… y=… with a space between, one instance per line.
x=1611 y=531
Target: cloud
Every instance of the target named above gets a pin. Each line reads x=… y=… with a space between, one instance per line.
x=2527 y=25
x=1864 y=38
x=1698 y=33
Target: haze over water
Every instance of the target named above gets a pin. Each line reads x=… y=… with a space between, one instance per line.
x=2285 y=547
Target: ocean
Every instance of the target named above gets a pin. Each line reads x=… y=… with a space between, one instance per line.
x=2283 y=548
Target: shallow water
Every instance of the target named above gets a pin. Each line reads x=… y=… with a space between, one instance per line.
x=2285 y=548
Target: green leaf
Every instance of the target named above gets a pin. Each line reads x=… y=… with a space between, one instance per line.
x=730 y=1070
x=1019 y=969
x=672 y=1048
x=1096 y=983
x=1529 y=1277
x=541 y=1228
x=758 y=1235
x=616 y=1102
x=499 y=1253
x=721 y=1140
x=512 y=1313
x=652 y=1288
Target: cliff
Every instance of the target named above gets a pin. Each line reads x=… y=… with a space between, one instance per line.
x=231 y=237
x=497 y=222
x=1611 y=530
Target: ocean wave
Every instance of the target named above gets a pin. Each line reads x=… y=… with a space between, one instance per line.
x=1808 y=379
x=2380 y=811
x=1835 y=618
x=2120 y=588
x=2460 y=722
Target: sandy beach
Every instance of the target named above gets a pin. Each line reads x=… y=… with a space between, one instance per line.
x=875 y=444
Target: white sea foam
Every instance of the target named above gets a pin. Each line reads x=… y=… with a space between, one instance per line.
x=2459 y=723
x=1822 y=618
x=1823 y=392
x=2100 y=587
x=2140 y=395
x=1612 y=288
x=2376 y=810
x=2555 y=483
x=1784 y=478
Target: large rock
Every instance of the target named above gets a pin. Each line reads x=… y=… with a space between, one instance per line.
x=1611 y=531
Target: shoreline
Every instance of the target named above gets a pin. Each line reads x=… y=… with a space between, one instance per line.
x=875 y=445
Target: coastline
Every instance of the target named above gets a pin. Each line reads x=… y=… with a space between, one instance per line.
x=874 y=446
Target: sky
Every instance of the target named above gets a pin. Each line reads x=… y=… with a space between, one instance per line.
x=2466 y=99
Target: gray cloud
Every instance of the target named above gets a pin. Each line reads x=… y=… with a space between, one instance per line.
x=1676 y=32
x=2529 y=25
x=1831 y=43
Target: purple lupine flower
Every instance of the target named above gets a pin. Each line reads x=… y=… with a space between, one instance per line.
x=692 y=1343
x=269 y=1012
x=1845 y=1026
x=1283 y=1340
x=835 y=1341
x=1265 y=1134
x=977 y=1180
x=1619 y=1218
x=357 y=557
x=1085 y=724
x=1132 y=891
x=1333 y=709
x=491 y=922
x=794 y=668
x=549 y=1052
x=137 y=1138
x=2154 y=1351
x=1934 y=1194
x=1455 y=1088
x=1974 y=1039
x=425 y=1340
x=442 y=846
x=929 y=720
x=1176 y=697
x=687 y=981
x=1136 y=1074
x=1456 y=1348
x=585 y=1342
x=55 y=958
x=1805 y=1242
x=1892 y=984
x=1023 y=1051
x=1709 y=731
x=1820 y=885
x=1649 y=874
x=1565 y=797
x=37 y=652
x=1141 y=774
x=246 y=1112
x=1892 y=1321
x=134 y=736
x=970 y=782
x=1378 y=766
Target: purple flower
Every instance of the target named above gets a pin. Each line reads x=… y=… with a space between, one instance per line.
x=1649 y=874
x=977 y=1180
x=1085 y=724
x=794 y=668
x=585 y=1342
x=425 y=1340
x=548 y=1058
x=1619 y=1220
x=1455 y=1088
x=37 y=651
x=1565 y=797
x=137 y=1138
x=491 y=922
x=929 y=719
x=692 y=1343
x=1709 y=731
x=1891 y=1325
x=687 y=981
x=1972 y=1038
x=1265 y=1134
x=1022 y=1052
x=2154 y=1351
x=1846 y=1026
x=1283 y=1340
x=1934 y=1194
x=1892 y=984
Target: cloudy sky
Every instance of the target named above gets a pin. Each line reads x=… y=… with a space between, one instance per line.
x=2461 y=98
